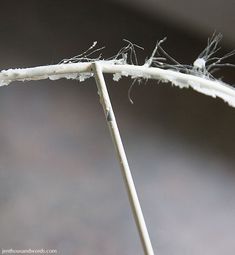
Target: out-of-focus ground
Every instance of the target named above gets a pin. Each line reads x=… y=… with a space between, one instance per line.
x=60 y=184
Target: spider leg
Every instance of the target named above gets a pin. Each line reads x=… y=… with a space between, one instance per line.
x=223 y=64
x=211 y=47
x=168 y=56
x=129 y=91
x=149 y=61
x=218 y=61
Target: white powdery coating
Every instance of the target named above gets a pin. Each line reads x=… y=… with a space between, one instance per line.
x=213 y=88
x=207 y=87
x=83 y=71
x=83 y=76
x=117 y=76
x=53 y=72
x=71 y=76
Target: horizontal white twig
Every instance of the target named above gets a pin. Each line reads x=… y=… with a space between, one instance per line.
x=81 y=71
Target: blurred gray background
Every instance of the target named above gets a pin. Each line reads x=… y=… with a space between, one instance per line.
x=60 y=183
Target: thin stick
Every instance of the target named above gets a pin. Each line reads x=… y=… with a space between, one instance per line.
x=121 y=155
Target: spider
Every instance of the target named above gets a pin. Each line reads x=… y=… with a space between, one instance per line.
x=205 y=64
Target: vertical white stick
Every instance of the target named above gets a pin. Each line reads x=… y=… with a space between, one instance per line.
x=129 y=183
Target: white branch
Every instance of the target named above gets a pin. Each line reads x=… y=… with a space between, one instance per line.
x=42 y=72
x=214 y=88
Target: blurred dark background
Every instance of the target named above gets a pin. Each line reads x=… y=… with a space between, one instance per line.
x=60 y=183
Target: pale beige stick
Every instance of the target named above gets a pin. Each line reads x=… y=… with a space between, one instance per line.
x=129 y=183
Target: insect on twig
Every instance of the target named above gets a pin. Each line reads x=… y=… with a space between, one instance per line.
x=205 y=64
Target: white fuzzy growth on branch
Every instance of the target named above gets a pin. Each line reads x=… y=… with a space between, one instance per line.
x=53 y=72
x=81 y=71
